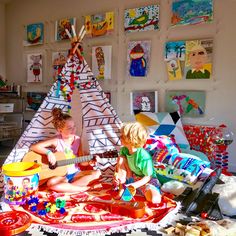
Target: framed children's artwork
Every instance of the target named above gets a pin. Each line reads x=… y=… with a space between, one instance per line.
x=34 y=100
x=190 y=59
x=58 y=61
x=191 y=12
x=99 y=24
x=198 y=63
x=141 y=18
x=34 y=34
x=34 y=68
x=108 y=95
x=187 y=102
x=101 y=61
x=61 y=26
x=146 y=101
x=138 y=57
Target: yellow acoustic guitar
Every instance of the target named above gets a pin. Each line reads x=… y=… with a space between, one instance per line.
x=60 y=169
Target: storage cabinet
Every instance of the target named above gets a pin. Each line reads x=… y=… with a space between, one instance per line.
x=11 y=117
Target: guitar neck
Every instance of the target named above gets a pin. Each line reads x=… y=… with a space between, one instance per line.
x=74 y=160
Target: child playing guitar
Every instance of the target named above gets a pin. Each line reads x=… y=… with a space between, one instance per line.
x=68 y=142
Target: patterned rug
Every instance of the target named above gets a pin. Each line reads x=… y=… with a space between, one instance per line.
x=95 y=212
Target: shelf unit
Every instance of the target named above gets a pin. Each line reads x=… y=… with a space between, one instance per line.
x=11 y=117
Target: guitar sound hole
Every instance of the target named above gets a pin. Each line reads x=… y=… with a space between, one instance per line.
x=52 y=167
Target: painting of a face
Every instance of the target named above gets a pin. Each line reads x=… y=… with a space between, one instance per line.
x=198 y=58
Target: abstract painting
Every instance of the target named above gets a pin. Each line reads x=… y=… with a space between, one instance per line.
x=101 y=61
x=35 y=34
x=99 y=24
x=61 y=26
x=143 y=101
x=34 y=68
x=138 y=57
x=191 y=12
x=188 y=103
x=142 y=18
x=34 y=100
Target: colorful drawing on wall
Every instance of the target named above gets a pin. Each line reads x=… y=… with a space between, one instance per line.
x=35 y=34
x=58 y=61
x=188 y=103
x=191 y=12
x=189 y=59
x=146 y=101
x=138 y=58
x=99 y=24
x=108 y=95
x=175 y=57
x=61 y=26
x=101 y=61
x=142 y=18
x=34 y=100
x=198 y=63
x=34 y=68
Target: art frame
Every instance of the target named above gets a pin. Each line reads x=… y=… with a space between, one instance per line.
x=102 y=61
x=34 y=100
x=61 y=26
x=143 y=101
x=189 y=103
x=138 y=58
x=191 y=12
x=34 y=67
x=34 y=34
x=189 y=59
x=141 y=18
x=99 y=24
x=58 y=61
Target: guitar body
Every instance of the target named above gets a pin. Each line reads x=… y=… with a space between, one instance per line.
x=46 y=172
x=61 y=164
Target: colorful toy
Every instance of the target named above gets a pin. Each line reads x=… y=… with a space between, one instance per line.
x=21 y=180
x=14 y=222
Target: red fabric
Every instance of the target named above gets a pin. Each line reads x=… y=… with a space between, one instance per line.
x=202 y=138
x=84 y=209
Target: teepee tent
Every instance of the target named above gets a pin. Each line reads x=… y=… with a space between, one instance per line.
x=99 y=119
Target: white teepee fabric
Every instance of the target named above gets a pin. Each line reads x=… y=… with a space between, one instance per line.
x=100 y=120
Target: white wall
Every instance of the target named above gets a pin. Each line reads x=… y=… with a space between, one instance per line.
x=2 y=42
x=220 y=107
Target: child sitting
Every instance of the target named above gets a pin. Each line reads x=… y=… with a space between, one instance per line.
x=68 y=142
x=135 y=162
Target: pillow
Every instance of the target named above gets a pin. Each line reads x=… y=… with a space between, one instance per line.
x=170 y=172
x=163 y=123
x=198 y=154
x=181 y=166
x=161 y=146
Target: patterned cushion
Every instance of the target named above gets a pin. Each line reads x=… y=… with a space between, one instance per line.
x=161 y=146
x=163 y=123
x=180 y=166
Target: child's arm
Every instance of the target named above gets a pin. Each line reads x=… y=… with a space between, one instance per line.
x=122 y=171
x=42 y=147
x=140 y=182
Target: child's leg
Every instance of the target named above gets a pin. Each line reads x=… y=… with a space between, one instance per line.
x=152 y=194
x=84 y=178
x=60 y=184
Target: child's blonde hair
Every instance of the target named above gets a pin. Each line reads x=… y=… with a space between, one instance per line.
x=134 y=133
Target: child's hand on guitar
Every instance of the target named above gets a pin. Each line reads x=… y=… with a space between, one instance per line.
x=51 y=158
